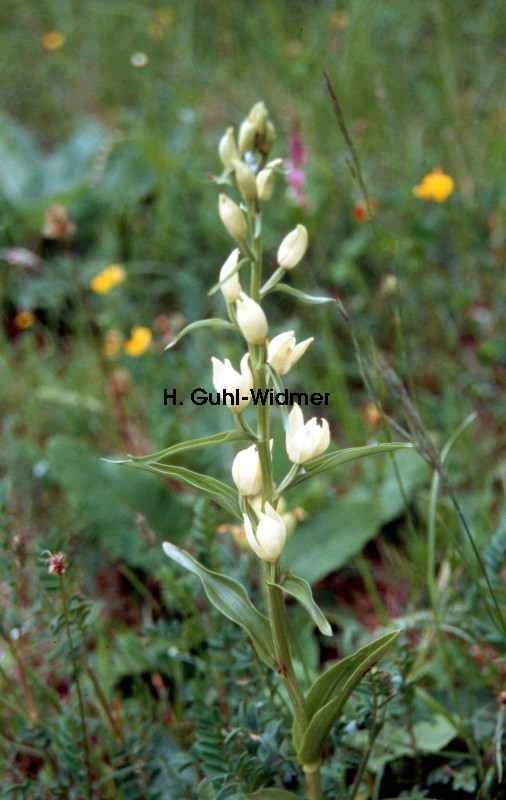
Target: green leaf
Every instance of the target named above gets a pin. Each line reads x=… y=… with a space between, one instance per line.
x=331 y=460
x=214 y=322
x=273 y=794
x=107 y=499
x=229 y=597
x=301 y=590
x=307 y=299
x=339 y=529
x=329 y=693
x=222 y=494
x=191 y=444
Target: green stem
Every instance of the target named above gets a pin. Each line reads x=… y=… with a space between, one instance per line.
x=273 y=594
x=313 y=784
x=78 y=689
x=283 y=656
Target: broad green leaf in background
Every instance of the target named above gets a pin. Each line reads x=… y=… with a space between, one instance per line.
x=328 y=694
x=192 y=444
x=217 y=491
x=108 y=498
x=229 y=597
x=64 y=397
x=273 y=794
x=215 y=322
x=301 y=590
x=430 y=736
x=339 y=530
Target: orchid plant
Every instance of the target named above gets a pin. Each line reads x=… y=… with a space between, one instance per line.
x=254 y=499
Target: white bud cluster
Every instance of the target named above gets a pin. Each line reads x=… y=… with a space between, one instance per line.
x=244 y=159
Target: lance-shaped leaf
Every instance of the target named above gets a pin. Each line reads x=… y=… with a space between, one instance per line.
x=331 y=460
x=273 y=794
x=229 y=597
x=191 y=444
x=301 y=590
x=307 y=299
x=219 y=284
x=222 y=494
x=328 y=694
x=214 y=322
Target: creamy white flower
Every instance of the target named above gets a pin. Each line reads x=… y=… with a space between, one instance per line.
x=245 y=177
x=229 y=278
x=246 y=471
x=270 y=536
x=283 y=353
x=266 y=178
x=251 y=320
x=293 y=247
x=226 y=378
x=227 y=148
x=232 y=217
x=305 y=441
x=253 y=128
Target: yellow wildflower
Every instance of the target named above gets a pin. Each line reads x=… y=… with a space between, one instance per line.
x=165 y=16
x=434 y=186
x=53 y=40
x=24 y=320
x=372 y=415
x=107 y=279
x=138 y=342
x=340 y=19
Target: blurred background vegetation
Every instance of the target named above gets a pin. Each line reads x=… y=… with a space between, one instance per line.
x=114 y=111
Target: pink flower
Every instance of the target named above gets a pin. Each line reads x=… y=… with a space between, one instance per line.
x=295 y=175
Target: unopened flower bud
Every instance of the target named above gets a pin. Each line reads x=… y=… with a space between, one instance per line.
x=268 y=139
x=229 y=278
x=58 y=563
x=251 y=320
x=283 y=353
x=293 y=247
x=305 y=441
x=245 y=179
x=247 y=137
x=269 y=538
x=253 y=130
x=227 y=379
x=266 y=178
x=227 y=148
x=259 y=116
x=246 y=471
x=232 y=218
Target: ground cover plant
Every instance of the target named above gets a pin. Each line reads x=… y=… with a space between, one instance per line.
x=119 y=678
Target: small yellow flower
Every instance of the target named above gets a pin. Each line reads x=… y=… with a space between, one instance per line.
x=53 y=40
x=107 y=279
x=111 y=343
x=340 y=19
x=138 y=342
x=434 y=186
x=372 y=415
x=24 y=320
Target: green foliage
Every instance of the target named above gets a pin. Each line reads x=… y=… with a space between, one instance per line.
x=340 y=529
x=231 y=599
x=122 y=494
x=329 y=693
x=127 y=151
